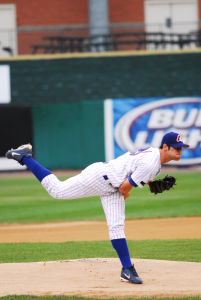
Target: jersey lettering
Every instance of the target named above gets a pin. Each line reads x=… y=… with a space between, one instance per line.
x=142 y=150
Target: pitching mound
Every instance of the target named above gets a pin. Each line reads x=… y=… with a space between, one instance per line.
x=100 y=278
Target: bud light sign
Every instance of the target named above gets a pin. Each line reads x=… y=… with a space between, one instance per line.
x=138 y=123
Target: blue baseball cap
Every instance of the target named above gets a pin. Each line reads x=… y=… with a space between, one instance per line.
x=173 y=139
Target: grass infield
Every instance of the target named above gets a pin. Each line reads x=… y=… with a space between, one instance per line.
x=24 y=200
x=177 y=250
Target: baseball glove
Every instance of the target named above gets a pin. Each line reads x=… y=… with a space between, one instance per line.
x=161 y=185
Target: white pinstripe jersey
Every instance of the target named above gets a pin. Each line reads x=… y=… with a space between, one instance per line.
x=102 y=178
x=142 y=166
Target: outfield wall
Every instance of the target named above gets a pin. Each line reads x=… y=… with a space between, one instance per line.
x=62 y=93
x=118 y=75
x=68 y=135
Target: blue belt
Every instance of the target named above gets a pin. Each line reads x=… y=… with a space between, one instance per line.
x=106 y=178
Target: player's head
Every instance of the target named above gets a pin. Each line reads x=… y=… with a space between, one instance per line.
x=173 y=139
x=172 y=144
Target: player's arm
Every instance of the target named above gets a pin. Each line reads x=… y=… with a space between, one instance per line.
x=125 y=188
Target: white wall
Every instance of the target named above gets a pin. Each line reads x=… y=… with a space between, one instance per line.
x=8 y=33
x=182 y=16
x=5 y=92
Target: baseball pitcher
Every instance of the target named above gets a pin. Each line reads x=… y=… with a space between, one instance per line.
x=112 y=181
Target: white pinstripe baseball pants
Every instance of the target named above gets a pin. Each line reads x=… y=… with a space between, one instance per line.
x=90 y=182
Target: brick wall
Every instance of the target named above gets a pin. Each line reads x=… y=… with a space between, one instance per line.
x=126 y=11
x=69 y=12
x=50 y=12
x=199 y=9
x=46 y=12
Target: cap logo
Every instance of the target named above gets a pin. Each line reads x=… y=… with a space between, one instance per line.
x=178 y=138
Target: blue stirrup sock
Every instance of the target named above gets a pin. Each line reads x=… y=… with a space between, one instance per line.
x=39 y=171
x=120 y=245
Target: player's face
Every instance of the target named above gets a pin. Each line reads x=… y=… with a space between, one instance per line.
x=174 y=153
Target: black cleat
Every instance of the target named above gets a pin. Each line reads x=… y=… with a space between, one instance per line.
x=130 y=275
x=19 y=153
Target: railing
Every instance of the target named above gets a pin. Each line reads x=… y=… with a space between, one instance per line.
x=59 y=41
x=117 y=41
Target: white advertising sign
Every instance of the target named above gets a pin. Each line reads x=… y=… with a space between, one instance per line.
x=5 y=93
x=134 y=124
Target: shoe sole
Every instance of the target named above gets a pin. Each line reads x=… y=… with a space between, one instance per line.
x=127 y=280
x=27 y=146
x=124 y=280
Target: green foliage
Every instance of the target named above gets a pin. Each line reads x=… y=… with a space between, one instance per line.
x=181 y=250
x=24 y=200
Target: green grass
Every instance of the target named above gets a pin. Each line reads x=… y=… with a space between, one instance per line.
x=182 y=250
x=179 y=250
x=24 y=200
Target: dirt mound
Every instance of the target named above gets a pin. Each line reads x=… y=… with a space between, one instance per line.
x=100 y=278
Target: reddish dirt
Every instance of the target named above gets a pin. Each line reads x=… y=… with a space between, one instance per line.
x=169 y=228
x=100 y=277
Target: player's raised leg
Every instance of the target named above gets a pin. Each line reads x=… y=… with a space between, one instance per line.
x=71 y=188
x=23 y=155
x=114 y=208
